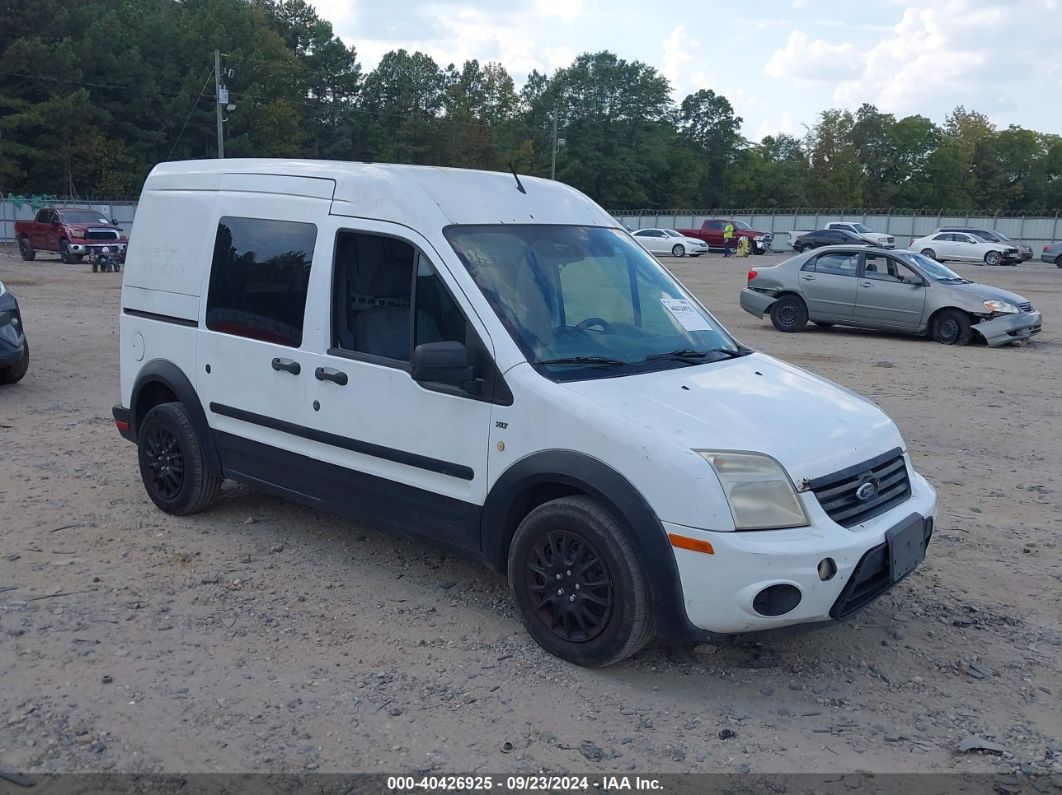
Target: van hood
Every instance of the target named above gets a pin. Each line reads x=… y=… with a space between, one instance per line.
x=811 y=426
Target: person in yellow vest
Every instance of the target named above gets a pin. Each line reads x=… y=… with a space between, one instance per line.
x=728 y=238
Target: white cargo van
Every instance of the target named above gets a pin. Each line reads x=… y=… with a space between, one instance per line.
x=494 y=364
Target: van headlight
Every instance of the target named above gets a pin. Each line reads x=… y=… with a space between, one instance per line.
x=1002 y=307
x=760 y=493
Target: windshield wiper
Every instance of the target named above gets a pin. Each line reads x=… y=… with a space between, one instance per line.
x=583 y=360
x=688 y=354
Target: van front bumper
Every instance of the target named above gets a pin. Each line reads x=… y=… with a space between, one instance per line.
x=752 y=572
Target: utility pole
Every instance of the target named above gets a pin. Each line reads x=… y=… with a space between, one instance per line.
x=553 y=168
x=218 y=105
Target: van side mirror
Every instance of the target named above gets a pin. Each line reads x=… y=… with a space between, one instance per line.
x=443 y=363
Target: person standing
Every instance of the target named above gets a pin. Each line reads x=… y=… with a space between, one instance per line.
x=728 y=238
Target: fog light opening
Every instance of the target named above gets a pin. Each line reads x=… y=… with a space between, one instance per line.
x=776 y=600
x=827 y=568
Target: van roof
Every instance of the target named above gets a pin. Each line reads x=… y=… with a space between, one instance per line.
x=416 y=196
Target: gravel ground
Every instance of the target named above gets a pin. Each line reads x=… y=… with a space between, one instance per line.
x=264 y=637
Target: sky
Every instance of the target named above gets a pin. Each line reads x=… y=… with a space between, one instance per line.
x=779 y=62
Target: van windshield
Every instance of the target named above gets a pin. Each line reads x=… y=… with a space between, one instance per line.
x=587 y=302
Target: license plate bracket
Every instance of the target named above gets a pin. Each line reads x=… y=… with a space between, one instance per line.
x=907 y=547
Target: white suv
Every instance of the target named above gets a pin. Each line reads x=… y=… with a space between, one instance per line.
x=492 y=363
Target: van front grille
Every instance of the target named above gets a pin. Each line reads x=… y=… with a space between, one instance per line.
x=889 y=486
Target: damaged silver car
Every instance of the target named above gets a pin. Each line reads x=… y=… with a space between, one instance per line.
x=888 y=290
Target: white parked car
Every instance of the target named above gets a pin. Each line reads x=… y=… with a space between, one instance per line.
x=883 y=240
x=964 y=247
x=668 y=241
x=489 y=363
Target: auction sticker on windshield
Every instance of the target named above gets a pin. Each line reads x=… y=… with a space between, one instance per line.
x=687 y=316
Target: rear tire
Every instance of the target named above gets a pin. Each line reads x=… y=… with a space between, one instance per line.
x=789 y=314
x=952 y=327
x=928 y=252
x=993 y=258
x=804 y=248
x=678 y=250
x=578 y=584
x=17 y=371
x=172 y=463
x=1058 y=261
x=25 y=248
x=64 y=253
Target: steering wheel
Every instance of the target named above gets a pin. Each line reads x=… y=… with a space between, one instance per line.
x=593 y=321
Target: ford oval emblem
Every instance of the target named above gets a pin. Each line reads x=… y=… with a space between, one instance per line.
x=867 y=490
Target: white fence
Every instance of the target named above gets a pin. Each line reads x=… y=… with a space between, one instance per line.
x=1036 y=231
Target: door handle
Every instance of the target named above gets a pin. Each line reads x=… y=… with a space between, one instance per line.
x=808 y=278
x=287 y=365
x=328 y=374
x=867 y=284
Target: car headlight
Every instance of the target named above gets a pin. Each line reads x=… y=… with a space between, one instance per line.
x=994 y=305
x=2 y=288
x=758 y=238
x=77 y=233
x=760 y=493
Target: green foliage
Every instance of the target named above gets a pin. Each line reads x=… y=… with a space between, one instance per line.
x=93 y=93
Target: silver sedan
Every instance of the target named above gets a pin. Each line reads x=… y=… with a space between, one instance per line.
x=889 y=290
x=1053 y=253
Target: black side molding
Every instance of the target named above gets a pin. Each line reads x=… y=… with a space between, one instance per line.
x=177 y=321
x=354 y=445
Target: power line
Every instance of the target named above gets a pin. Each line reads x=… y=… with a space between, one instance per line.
x=190 y=112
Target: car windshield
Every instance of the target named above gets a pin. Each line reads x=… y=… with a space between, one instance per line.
x=741 y=225
x=84 y=217
x=931 y=268
x=585 y=302
x=860 y=228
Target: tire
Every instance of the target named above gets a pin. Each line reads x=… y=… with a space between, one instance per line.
x=678 y=250
x=25 y=248
x=804 y=248
x=1058 y=261
x=789 y=314
x=928 y=252
x=17 y=371
x=172 y=465
x=117 y=268
x=952 y=327
x=993 y=258
x=759 y=251
x=608 y=591
x=95 y=266
x=64 y=253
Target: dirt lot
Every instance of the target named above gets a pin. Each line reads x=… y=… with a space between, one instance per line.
x=264 y=637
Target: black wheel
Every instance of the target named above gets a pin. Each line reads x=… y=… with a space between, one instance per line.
x=993 y=258
x=820 y=324
x=64 y=253
x=789 y=313
x=928 y=252
x=17 y=371
x=1058 y=261
x=678 y=250
x=95 y=266
x=952 y=327
x=759 y=251
x=804 y=248
x=172 y=464
x=117 y=267
x=25 y=248
x=578 y=584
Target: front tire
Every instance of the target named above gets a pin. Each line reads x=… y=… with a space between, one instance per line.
x=678 y=250
x=172 y=463
x=993 y=258
x=789 y=314
x=581 y=592
x=26 y=250
x=1058 y=261
x=17 y=371
x=928 y=252
x=64 y=253
x=952 y=327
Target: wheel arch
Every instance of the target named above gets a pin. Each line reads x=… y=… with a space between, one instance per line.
x=548 y=475
x=161 y=381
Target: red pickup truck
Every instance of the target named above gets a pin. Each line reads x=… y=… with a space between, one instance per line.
x=711 y=232
x=72 y=232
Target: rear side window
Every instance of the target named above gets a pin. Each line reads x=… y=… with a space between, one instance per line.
x=258 y=279
x=841 y=263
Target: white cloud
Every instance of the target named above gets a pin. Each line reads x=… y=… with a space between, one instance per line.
x=783 y=124
x=680 y=50
x=806 y=59
x=568 y=10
